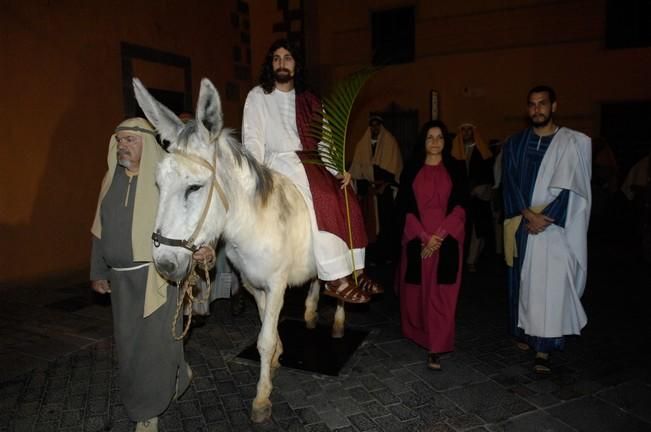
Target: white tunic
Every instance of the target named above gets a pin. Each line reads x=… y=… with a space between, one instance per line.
x=270 y=133
x=555 y=263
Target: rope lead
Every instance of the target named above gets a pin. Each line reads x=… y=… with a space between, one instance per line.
x=186 y=289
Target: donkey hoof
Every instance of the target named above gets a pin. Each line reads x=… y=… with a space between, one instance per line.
x=261 y=412
x=337 y=333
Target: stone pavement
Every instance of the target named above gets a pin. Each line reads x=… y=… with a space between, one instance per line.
x=59 y=368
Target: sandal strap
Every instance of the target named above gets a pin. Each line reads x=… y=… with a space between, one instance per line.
x=433 y=361
x=367 y=284
x=351 y=293
x=541 y=365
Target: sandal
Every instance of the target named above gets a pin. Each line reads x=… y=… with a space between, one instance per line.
x=433 y=362
x=351 y=293
x=541 y=366
x=369 y=286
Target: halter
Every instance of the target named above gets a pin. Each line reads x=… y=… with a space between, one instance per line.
x=189 y=243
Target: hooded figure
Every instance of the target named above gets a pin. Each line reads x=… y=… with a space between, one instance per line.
x=637 y=188
x=377 y=148
x=376 y=167
x=144 y=206
x=469 y=146
x=150 y=359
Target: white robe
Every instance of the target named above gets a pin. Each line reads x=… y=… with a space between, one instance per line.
x=270 y=133
x=556 y=261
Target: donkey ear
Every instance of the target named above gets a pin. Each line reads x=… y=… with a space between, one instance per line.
x=209 y=108
x=165 y=121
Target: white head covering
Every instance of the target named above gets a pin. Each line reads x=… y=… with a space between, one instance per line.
x=387 y=156
x=146 y=199
x=458 y=147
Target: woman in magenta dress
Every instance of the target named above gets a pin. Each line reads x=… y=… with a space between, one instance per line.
x=431 y=200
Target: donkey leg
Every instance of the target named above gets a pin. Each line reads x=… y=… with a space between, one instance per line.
x=260 y=300
x=267 y=345
x=275 y=360
x=259 y=296
x=339 y=321
x=278 y=350
x=311 y=302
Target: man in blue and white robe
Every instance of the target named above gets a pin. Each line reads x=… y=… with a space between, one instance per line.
x=546 y=180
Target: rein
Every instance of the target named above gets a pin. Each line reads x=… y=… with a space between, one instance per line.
x=187 y=289
x=193 y=278
x=159 y=239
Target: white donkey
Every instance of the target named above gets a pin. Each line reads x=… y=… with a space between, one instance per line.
x=212 y=187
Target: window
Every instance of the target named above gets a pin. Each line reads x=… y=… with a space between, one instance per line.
x=138 y=59
x=628 y=23
x=393 y=36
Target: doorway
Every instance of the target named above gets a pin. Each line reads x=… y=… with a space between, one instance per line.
x=403 y=124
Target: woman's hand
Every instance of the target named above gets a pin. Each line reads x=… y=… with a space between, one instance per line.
x=432 y=246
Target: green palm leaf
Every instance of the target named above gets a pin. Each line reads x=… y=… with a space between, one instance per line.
x=331 y=127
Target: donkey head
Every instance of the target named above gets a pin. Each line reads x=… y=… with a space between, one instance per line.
x=188 y=208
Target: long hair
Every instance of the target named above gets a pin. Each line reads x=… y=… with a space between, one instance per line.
x=456 y=170
x=419 y=154
x=267 y=80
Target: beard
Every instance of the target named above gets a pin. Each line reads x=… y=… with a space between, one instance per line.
x=123 y=159
x=282 y=76
x=540 y=120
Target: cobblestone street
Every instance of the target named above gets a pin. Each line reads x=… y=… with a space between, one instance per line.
x=59 y=369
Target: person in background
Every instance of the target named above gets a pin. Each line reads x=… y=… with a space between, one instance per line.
x=376 y=168
x=637 y=189
x=604 y=185
x=469 y=146
x=497 y=206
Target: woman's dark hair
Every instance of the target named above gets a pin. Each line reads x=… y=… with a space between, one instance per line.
x=419 y=153
x=267 y=80
x=456 y=170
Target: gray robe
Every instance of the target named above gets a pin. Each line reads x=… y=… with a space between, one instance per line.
x=149 y=358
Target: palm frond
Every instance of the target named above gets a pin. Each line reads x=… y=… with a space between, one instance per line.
x=331 y=127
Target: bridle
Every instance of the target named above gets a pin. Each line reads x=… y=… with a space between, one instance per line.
x=189 y=243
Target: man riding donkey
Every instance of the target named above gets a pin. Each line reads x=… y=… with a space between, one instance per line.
x=276 y=130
